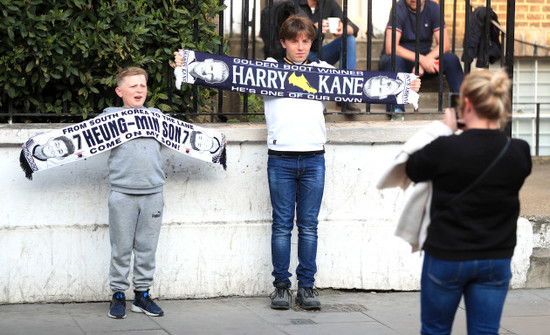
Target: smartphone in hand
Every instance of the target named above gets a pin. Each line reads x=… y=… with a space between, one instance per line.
x=453 y=102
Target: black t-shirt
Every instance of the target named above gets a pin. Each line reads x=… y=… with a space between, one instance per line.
x=482 y=223
x=405 y=23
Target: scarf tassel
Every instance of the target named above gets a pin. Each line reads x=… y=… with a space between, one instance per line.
x=223 y=158
x=25 y=165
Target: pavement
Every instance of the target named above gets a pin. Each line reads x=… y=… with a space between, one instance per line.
x=526 y=312
x=535 y=193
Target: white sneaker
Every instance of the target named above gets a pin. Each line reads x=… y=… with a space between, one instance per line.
x=398 y=115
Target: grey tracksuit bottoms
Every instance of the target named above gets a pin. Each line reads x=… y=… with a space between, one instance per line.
x=134 y=226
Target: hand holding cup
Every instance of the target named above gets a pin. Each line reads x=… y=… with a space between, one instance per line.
x=333 y=23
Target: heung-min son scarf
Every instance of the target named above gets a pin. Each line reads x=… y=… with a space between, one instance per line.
x=107 y=131
x=281 y=79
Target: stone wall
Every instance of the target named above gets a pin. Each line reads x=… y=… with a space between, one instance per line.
x=215 y=238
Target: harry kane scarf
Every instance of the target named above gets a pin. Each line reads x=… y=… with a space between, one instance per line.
x=286 y=79
x=107 y=131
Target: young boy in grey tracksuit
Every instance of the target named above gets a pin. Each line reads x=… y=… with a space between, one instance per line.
x=135 y=205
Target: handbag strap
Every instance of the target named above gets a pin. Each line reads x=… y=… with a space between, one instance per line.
x=481 y=176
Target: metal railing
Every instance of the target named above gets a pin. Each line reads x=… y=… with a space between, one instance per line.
x=506 y=53
x=533 y=119
x=248 y=50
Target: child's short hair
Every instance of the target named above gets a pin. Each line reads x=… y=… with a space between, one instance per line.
x=295 y=25
x=130 y=71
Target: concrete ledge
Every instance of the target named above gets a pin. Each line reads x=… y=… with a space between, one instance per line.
x=338 y=132
x=216 y=231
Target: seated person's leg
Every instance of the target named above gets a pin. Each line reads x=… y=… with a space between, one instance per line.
x=331 y=51
x=453 y=70
x=351 y=53
x=401 y=65
x=313 y=54
x=384 y=64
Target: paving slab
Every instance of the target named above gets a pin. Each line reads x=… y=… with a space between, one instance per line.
x=526 y=312
x=535 y=193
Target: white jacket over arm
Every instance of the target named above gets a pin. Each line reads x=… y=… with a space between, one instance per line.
x=415 y=216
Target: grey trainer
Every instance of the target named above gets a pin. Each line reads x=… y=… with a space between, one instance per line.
x=307 y=298
x=281 y=297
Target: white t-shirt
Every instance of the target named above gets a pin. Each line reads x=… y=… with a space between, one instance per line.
x=295 y=124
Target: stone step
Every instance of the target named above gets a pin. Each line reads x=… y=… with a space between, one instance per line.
x=424 y=111
x=376 y=48
x=379 y=116
x=361 y=45
x=428 y=103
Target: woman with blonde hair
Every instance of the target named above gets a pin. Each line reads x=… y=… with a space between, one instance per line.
x=476 y=177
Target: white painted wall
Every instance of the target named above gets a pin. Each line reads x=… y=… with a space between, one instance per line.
x=215 y=239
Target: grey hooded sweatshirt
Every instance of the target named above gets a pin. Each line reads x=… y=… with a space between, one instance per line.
x=135 y=167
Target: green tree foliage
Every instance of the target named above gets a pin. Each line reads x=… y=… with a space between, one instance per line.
x=68 y=52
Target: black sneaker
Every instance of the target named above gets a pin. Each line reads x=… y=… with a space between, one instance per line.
x=281 y=297
x=117 y=310
x=144 y=304
x=307 y=298
x=350 y=107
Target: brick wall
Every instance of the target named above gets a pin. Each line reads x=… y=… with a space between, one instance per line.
x=532 y=22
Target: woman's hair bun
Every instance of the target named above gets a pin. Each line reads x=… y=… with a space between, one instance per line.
x=500 y=83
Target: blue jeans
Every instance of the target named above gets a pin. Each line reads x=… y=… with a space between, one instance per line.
x=332 y=52
x=453 y=70
x=296 y=185
x=484 y=284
